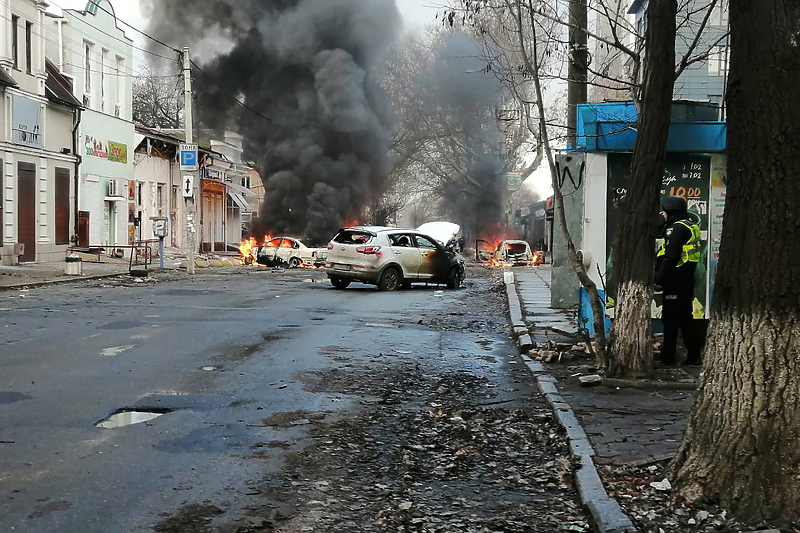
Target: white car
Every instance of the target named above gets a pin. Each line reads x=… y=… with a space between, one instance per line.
x=391 y=258
x=291 y=252
x=515 y=253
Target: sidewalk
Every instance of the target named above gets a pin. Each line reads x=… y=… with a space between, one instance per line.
x=624 y=426
x=32 y=274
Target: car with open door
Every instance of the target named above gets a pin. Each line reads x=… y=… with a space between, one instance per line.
x=290 y=252
x=391 y=258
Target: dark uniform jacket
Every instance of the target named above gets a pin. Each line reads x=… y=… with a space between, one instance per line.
x=668 y=274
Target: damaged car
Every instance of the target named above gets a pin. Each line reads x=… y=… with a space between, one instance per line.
x=391 y=258
x=290 y=252
x=508 y=253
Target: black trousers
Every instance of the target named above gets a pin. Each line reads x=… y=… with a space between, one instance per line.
x=677 y=317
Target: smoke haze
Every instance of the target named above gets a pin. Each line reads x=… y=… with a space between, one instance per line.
x=307 y=65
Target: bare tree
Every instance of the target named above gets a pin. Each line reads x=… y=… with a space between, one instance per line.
x=631 y=342
x=157 y=100
x=742 y=445
x=446 y=141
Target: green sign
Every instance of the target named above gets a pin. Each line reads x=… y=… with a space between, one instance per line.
x=514 y=180
x=117 y=152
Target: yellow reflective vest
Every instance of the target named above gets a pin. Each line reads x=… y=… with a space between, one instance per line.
x=691 y=250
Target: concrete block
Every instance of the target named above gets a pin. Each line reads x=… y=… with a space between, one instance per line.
x=525 y=343
x=590 y=381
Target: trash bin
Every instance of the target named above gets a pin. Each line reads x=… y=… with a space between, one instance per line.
x=74 y=265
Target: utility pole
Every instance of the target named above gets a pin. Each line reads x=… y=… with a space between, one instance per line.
x=578 y=65
x=191 y=232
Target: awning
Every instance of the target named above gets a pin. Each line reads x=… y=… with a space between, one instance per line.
x=5 y=79
x=240 y=202
x=243 y=191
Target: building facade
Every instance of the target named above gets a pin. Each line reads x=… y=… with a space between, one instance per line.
x=705 y=76
x=226 y=199
x=90 y=48
x=38 y=163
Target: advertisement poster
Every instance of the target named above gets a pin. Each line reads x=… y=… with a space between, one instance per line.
x=26 y=128
x=95 y=148
x=117 y=152
x=686 y=175
x=719 y=180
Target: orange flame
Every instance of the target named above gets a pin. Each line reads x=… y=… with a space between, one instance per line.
x=248 y=250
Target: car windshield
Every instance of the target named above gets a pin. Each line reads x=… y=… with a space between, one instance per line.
x=352 y=237
x=516 y=248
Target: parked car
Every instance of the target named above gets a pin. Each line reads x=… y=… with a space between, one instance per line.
x=291 y=252
x=391 y=258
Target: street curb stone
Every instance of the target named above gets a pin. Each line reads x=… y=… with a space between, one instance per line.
x=58 y=281
x=606 y=513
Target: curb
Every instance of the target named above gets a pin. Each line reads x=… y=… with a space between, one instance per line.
x=606 y=513
x=58 y=281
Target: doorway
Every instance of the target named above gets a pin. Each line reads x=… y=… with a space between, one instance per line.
x=83 y=229
x=26 y=215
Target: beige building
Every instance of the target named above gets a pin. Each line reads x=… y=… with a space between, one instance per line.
x=39 y=118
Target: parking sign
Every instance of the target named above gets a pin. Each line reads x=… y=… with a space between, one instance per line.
x=188 y=154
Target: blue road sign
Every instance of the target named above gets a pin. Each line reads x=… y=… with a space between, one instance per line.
x=188 y=157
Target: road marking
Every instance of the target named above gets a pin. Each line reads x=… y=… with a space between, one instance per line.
x=113 y=352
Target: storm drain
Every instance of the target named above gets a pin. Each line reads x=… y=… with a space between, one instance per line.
x=128 y=417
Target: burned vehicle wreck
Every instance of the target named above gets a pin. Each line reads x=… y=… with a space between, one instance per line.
x=391 y=258
x=289 y=252
x=507 y=253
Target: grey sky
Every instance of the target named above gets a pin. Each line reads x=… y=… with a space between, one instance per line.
x=416 y=13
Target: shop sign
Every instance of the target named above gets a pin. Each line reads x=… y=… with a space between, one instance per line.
x=117 y=152
x=27 y=121
x=109 y=150
x=95 y=148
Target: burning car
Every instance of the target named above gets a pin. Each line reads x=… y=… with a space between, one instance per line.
x=391 y=258
x=507 y=253
x=283 y=251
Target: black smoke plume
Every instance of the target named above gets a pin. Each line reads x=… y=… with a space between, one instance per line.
x=470 y=96
x=306 y=65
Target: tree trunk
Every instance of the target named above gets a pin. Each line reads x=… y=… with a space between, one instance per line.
x=742 y=445
x=631 y=343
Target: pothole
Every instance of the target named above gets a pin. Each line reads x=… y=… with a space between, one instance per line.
x=128 y=417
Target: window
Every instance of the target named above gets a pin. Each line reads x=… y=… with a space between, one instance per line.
x=103 y=62
x=139 y=194
x=28 y=47
x=425 y=244
x=717 y=61
x=87 y=67
x=160 y=199
x=719 y=15
x=15 y=40
x=119 y=83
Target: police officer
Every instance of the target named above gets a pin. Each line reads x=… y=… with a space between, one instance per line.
x=676 y=262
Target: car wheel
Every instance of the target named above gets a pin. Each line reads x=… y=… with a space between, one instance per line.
x=294 y=262
x=454 y=278
x=340 y=283
x=391 y=280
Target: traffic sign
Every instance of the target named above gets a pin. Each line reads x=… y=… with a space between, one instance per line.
x=188 y=156
x=187 y=186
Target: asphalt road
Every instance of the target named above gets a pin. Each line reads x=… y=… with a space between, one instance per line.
x=218 y=356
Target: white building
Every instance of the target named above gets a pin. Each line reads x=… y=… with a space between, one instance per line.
x=37 y=144
x=90 y=48
x=226 y=199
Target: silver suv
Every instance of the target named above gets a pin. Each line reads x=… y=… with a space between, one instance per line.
x=391 y=258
